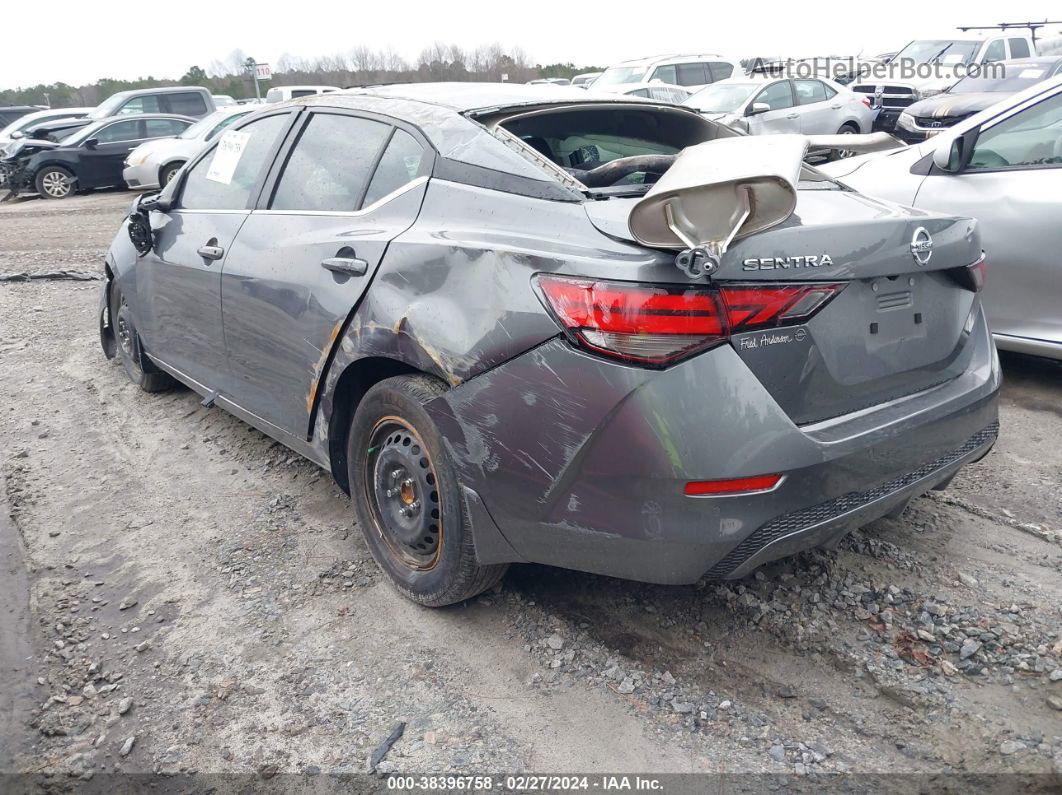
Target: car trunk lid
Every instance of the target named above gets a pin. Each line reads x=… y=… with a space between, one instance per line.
x=898 y=327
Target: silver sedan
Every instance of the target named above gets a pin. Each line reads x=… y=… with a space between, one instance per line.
x=812 y=106
x=154 y=163
x=1003 y=167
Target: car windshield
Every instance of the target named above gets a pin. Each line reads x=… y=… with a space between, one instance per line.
x=107 y=107
x=945 y=51
x=82 y=134
x=722 y=97
x=620 y=75
x=1014 y=78
x=205 y=126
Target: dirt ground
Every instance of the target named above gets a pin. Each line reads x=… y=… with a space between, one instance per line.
x=182 y=594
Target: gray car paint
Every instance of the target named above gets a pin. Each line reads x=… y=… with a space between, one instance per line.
x=565 y=458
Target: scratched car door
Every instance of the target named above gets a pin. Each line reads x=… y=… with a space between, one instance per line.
x=343 y=189
x=1012 y=186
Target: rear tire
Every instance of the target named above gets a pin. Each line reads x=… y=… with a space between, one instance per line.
x=168 y=173
x=407 y=497
x=54 y=182
x=131 y=354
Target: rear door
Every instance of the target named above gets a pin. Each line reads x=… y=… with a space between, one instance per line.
x=818 y=110
x=179 y=281
x=344 y=187
x=782 y=116
x=1011 y=186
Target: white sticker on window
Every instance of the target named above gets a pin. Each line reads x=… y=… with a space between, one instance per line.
x=1031 y=74
x=227 y=156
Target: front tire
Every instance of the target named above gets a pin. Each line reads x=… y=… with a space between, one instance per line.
x=54 y=182
x=407 y=497
x=168 y=173
x=131 y=354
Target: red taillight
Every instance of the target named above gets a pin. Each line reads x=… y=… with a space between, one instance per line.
x=758 y=483
x=656 y=325
x=972 y=277
x=866 y=101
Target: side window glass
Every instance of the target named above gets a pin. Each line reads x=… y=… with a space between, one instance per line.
x=778 y=96
x=145 y=104
x=720 y=70
x=665 y=74
x=639 y=92
x=809 y=91
x=1019 y=48
x=690 y=74
x=187 y=104
x=996 y=51
x=1030 y=138
x=118 y=132
x=160 y=128
x=330 y=164
x=224 y=179
x=400 y=164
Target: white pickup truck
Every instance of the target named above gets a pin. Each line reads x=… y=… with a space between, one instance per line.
x=926 y=67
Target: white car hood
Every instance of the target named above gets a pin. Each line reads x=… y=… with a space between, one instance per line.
x=162 y=149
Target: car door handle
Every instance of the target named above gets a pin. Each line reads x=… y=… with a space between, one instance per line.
x=793 y=116
x=835 y=107
x=211 y=252
x=348 y=266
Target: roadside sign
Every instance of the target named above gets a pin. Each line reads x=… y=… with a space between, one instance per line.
x=262 y=71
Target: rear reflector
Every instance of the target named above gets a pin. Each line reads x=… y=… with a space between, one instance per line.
x=759 y=483
x=658 y=324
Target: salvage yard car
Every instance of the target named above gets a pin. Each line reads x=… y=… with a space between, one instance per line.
x=92 y=157
x=1004 y=167
x=812 y=107
x=902 y=82
x=689 y=71
x=472 y=304
x=972 y=95
x=154 y=162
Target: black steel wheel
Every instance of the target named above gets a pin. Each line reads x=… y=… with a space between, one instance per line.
x=137 y=366
x=404 y=496
x=407 y=496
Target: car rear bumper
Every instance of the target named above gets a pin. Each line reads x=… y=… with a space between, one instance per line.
x=582 y=463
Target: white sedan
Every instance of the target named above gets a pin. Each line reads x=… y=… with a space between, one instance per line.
x=154 y=163
x=1003 y=167
x=812 y=106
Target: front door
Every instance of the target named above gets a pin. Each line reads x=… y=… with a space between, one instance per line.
x=1012 y=185
x=100 y=162
x=179 y=281
x=302 y=260
x=782 y=116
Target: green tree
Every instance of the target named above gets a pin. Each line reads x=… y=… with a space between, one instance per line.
x=195 y=76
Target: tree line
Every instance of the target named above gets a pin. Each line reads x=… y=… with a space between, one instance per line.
x=359 y=66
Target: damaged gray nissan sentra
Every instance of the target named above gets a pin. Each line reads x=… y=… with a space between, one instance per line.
x=518 y=323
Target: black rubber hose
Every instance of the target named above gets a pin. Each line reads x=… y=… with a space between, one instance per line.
x=612 y=172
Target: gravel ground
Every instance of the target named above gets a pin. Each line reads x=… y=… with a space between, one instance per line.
x=199 y=600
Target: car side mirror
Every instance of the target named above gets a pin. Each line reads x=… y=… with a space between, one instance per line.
x=92 y=143
x=953 y=154
x=18 y=134
x=756 y=108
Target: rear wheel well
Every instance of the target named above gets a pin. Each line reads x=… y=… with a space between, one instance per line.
x=357 y=379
